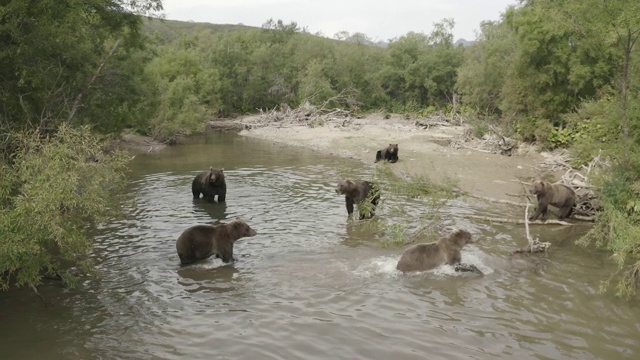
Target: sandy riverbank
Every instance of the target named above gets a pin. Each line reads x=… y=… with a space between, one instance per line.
x=422 y=151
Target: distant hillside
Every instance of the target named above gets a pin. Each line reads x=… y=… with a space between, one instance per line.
x=169 y=30
x=463 y=42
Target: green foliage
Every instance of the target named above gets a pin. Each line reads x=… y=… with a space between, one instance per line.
x=50 y=49
x=618 y=226
x=415 y=186
x=62 y=186
x=396 y=232
x=486 y=66
x=595 y=127
x=422 y=69
x=559 y=138
x=480 y=128
x=209 y=71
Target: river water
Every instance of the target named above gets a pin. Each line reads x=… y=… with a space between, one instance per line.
x=312 y=285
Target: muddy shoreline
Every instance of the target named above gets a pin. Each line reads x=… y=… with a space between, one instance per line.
x=423 y=151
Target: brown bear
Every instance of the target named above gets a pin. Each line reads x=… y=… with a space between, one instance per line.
x=209 y=184
x=390 y=154
x=199 y=242
x=423 y=257
x=362 y=193
x=558 y=195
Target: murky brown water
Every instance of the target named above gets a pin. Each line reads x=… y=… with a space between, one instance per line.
x=310 y=285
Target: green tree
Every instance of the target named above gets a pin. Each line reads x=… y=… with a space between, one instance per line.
x=552 y=71
x=59 y=187
x=422 y=69
x=615 y=25
x=610 y=127
x=482 y=77
x=50 y=49
x=62 y=64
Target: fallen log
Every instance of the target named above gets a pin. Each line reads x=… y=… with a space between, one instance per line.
x=534 y=244
x=224 y=125
x=517 y=221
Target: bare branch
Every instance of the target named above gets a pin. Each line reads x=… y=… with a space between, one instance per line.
x=78 y=101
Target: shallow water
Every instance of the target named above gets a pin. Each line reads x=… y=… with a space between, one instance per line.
x=312 y=285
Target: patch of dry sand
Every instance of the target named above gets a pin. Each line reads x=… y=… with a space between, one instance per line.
x=421 y=151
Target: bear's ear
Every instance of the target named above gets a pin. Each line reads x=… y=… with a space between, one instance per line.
x=211 y=169
x=221 y=169
x=390 y=144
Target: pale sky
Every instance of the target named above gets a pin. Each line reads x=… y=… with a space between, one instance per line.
x=380 y=20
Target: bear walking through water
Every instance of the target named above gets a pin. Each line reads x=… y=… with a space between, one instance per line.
x=200 y=242
x=363 y=193
x=209 y=184
x=390 y=154
x=447 y=250
x=558 y=195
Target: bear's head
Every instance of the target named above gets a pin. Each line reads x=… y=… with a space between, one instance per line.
x=240 y=229
x=460 y=238
x=393 y=148
x=216 y=175
x=345 y=187
x=539 y=187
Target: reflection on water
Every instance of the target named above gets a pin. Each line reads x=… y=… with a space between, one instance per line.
x=311 y=284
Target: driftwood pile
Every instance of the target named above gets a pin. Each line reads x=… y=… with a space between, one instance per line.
x=306 y=114
x=494 y=143
x=437 y=120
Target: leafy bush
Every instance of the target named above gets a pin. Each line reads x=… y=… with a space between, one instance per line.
x=618 y=226
x=559 y=138
x=62 y=185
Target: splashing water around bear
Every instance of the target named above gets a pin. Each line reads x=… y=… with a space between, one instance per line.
x=386 y=266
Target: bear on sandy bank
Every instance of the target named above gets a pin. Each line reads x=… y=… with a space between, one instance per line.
x=390 y=154
x=209 y=184
x=363 y=193
x=558 y=195
x=423 y=257
x=199 y=242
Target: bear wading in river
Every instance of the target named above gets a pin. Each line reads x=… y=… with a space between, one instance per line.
x=209 y=184
x=558 y=195
x=362 y=193
x=447 y=250
x=390 y=154
x=200 y=242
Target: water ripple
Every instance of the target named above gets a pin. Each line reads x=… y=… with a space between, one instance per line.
x=310 y=285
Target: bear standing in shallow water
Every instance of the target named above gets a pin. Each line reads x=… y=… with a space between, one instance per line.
x=199 y=242
x=209 y=184
x=357 y=192
x=390 y=154
x=558 y=195
x=447 y=250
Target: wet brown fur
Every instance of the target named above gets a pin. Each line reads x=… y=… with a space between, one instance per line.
x=447 y=250
x=210 y=183
x=356 y=192
x=200 y=242
x=558 y=195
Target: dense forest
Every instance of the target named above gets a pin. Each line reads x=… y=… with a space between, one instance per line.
x=74 y=73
